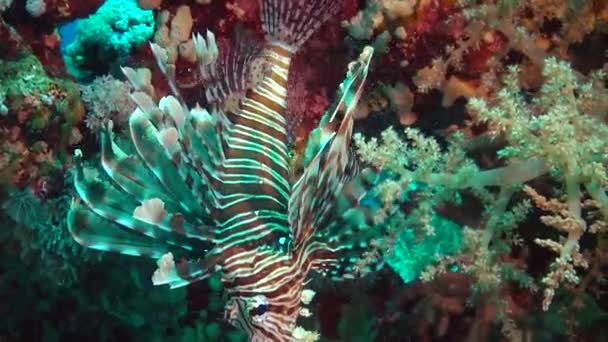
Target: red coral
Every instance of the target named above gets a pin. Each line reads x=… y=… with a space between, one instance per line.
x=476 y=61
x=11 y=43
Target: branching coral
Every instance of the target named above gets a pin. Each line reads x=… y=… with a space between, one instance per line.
x=460 y=49
x=553 y=135
x=555 y=129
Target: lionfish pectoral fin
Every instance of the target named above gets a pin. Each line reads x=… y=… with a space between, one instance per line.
x=93 y=231
x=145 y=217
x=351 y=230
x=349 y=91
x=162 y=60
x=356 y=233
x=167 y=161
x=129 y=173
x=338 y=117
x=183 y=272
x=313 y=198
x=351 y=205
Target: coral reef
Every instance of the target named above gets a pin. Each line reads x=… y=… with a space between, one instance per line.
x=479 y=138
x=39 y=123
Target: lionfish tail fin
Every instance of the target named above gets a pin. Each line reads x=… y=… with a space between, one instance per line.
x=292 y=22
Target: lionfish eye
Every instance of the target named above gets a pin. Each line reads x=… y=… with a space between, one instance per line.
x=261 y=309
x=258 y=306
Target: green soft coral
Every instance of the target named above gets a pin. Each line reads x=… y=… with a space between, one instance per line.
x=558 y=131
x=105 y=38
x=412 y=255
x=554 y=127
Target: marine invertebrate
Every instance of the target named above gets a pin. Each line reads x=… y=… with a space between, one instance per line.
x=209 y=187
x=105 y=38
x=25 y=209
x=173 y=34
x=552 y=133
x=40 y=124
x=35 y=8
x=107 y=99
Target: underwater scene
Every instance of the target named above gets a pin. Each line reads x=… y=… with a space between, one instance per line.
x=304 y=170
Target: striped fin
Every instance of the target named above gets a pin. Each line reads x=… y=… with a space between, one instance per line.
x=98 y=232
x=313 y=199
x=224 y=66
x=351 y=207
x=182 y=148
x=119 y=207
x=185 y=143
x=292 y=22
x=351 y=227
x=93 y=231
x=337 y=248
x=161 y=57
x=173 y=161
x=129 y=173
x=145 y=137
x=184 y=272
x=207 y=54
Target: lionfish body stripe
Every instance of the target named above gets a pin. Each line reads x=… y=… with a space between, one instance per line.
x=208 y=190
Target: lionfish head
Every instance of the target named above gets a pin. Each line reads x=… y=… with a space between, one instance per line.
x=262 y=319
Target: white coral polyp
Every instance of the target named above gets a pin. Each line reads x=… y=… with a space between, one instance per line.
x=35 y=8
x=302 y=335
x=307 y=296
x=151 y=211
x=166 y=270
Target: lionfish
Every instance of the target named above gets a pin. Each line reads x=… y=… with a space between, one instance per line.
x=210 y=187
